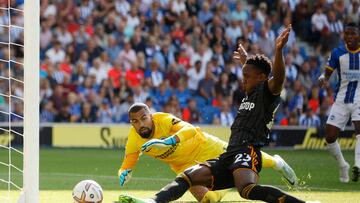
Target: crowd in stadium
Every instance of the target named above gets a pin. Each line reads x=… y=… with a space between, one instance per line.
x=100 y=56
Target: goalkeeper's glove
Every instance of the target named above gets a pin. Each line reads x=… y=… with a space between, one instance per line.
x=124 y=176
x=157 y=143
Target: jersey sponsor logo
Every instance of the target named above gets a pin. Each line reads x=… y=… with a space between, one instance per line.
x=168 y=152
x=175 y=121
x=246 y=105
x=351 y=75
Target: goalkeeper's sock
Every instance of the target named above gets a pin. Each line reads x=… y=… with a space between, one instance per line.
x=174 y=190
x=267 y=194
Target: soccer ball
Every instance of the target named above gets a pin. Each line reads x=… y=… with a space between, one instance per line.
x=87 y=191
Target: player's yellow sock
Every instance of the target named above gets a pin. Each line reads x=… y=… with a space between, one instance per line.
x=213 y=196
x=267 y=160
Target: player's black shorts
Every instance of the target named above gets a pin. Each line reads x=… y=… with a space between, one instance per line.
x=222 y=168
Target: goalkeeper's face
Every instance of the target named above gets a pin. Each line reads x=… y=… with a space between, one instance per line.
x=142 y=122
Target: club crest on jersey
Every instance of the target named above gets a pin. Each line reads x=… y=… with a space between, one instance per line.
x=246 y=106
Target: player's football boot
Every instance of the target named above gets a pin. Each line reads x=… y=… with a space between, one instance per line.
x=344 y=173
x=355 y=174
x=287 y=172
x=131 y=199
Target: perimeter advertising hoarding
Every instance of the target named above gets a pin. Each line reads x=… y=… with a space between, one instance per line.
x=115 y=136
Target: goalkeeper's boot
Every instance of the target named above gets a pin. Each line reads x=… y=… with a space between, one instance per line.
x=131 y=199
x=287 y=172
x=355 y=174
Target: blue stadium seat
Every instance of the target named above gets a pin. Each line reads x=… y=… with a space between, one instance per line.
x=200 y=102
x=208 y=113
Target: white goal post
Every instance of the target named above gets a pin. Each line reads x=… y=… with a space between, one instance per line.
x=31 y=101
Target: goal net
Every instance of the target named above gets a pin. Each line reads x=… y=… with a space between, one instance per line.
x=19 y=120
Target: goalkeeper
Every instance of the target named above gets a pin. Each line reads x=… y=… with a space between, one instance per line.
x=181 y=145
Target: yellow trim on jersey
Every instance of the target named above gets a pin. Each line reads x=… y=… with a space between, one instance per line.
x=330 y=68
x=353 y=52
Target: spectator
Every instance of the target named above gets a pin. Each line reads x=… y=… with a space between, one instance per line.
x=239 y=14
x=114 y=75
x=98 y=71
x=48 y=112
x=304 y=76
x=353 y=12
x=154 y=74
x=165 y=56
x=223 y=86
x=182 y=93
x=104 y=112
x=139 y=94
x=319 y=23
x=205 y=15
x=173 y=76
x=226 y=116
x=63 y=115
x=134 y=76
x=149 y=103
x=309 y=119
x=191 y=113
x=56 y=54
x=127 y=56
x=207 y=86
x=233 y=31
x=290 y=69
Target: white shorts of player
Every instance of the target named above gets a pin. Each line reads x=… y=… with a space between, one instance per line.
x=341 y=112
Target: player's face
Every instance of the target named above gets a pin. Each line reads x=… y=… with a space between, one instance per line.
x=351 y=37
x=252 y=77
x=142 y=122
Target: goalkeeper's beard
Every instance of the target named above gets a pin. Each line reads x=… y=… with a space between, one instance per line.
x=145 y=133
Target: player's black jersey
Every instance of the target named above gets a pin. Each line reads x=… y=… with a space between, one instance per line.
x=254 y=118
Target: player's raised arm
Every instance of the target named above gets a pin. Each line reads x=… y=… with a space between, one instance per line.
x=276 y=83
x=240 y=55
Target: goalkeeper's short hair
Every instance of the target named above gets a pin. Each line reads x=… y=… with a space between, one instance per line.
x=137 y=107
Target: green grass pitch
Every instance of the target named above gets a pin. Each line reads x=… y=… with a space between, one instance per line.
x=61 y=169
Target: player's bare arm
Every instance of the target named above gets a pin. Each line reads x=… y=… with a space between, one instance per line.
x=324 y=78
x=276 y=83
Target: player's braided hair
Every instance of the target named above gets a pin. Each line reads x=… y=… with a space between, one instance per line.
x=137 y=107
x=261 y=62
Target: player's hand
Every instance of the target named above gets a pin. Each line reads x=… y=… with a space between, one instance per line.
x=323 y=81
x=124 y=176
x=157 y=143
x=240 y=55
x=282 y=39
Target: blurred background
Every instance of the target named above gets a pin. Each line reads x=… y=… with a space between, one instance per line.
x=100 y=56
